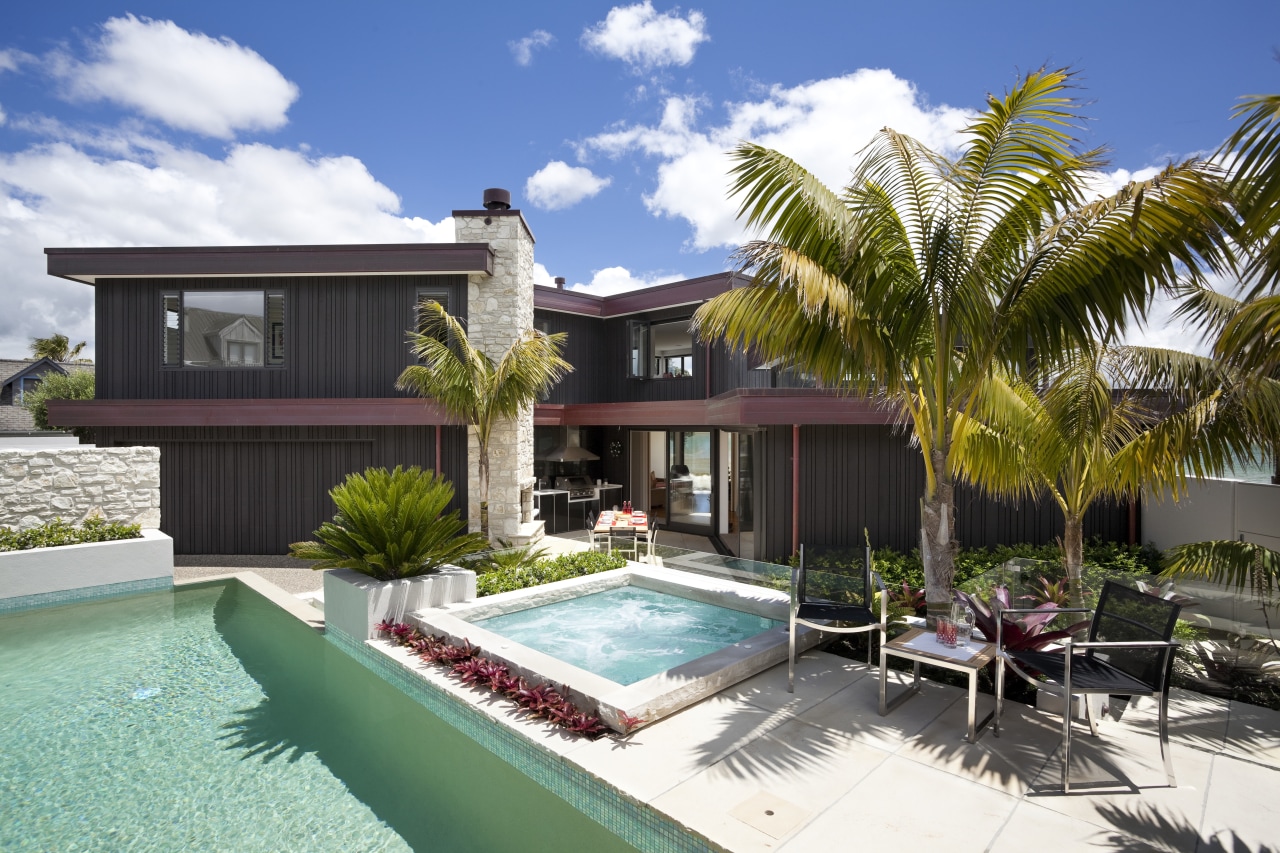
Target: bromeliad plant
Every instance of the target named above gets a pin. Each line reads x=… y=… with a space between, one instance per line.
x=470 y=667
x=1024 y=634
x=391 y=525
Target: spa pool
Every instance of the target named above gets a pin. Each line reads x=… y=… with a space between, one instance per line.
x=640 y=642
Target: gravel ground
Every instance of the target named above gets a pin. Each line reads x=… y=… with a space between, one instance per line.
x=291 y=575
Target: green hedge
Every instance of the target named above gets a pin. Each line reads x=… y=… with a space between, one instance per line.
x=59 y=532
x=1102 y=560
x=545 y=571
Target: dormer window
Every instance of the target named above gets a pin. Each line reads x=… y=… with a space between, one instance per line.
x=223 y=328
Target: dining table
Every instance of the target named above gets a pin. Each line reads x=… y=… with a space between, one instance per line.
x=609 y=520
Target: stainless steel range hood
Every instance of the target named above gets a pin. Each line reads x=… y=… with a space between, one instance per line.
x=569 y=449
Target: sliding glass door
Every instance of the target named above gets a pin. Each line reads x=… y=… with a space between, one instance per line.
x=690 y=481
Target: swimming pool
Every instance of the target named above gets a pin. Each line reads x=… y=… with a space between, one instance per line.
x=726 y=661
x=208 y=719
x=628 y=633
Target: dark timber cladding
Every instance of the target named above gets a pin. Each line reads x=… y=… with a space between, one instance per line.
x=345 y=336
x=855 y=477
x=248 y=490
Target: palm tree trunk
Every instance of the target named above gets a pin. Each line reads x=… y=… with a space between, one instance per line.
x=484 y=489
x=938 y=544
x=1073 y=557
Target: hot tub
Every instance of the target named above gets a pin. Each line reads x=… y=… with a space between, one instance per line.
x=717 y=663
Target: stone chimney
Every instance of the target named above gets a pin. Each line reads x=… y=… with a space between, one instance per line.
x=499 y=308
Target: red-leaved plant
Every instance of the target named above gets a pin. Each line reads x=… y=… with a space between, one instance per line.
x=1027 y=632
x=470 y=667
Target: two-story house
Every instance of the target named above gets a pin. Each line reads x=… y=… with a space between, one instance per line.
x=266 y=374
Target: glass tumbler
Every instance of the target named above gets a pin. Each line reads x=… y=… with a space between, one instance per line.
x=946 y=634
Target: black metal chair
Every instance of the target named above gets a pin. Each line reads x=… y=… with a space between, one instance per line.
x=834 y=598
x=1129 y=653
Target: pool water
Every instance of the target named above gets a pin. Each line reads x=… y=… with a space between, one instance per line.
x=628 y=633
x=208 y=719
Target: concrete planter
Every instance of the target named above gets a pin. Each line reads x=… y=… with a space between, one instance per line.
x=49 y=570
x=354 y=603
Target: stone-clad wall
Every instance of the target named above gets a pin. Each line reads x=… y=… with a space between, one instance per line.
x=500 y=308
x=71 y=483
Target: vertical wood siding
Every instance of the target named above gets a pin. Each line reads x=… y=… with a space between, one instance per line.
x=246 y=490
x=344 y=337
x=590 y=380
x=856 y=477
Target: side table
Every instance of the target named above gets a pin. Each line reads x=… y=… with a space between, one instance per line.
x=918 y=646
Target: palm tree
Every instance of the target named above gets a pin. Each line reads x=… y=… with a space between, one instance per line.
x=57 y=347
x=1246 y=332
x=1084 y=434
x=471 y=387
x=925 y=273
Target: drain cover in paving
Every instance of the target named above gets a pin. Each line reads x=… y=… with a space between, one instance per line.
x=771 y=815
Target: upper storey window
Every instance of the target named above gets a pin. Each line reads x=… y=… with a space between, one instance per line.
x=223 y=328
x=659 y=350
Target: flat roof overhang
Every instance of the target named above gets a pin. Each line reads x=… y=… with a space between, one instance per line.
x=353 y=411
x=90 y=266
x=743 y=407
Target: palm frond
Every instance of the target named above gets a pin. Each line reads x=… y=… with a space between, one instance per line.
x=1244 y=566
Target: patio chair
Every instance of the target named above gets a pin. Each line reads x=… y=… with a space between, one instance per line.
x=623 y=540
x=1129 y=653
x=650 y=540
x=594 y=540
x=835 y=598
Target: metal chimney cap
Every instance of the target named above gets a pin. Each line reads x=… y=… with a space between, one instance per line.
x=560 y=282
x=497 y=199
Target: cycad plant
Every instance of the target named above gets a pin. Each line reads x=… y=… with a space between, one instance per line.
x=474 y=388
x=925 y=273
x=391 y=525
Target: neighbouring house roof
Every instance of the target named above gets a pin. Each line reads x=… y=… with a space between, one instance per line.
x=92 y=266
x=14 y=417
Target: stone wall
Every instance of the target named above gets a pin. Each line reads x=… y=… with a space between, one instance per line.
x=500 y=307
x=120 y=483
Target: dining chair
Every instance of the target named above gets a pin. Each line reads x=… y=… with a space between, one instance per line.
x=650 y=540
x=1129 y=653
x=835 y=602
x=594 y=540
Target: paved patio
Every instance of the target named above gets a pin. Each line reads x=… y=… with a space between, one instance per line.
x=756 y=768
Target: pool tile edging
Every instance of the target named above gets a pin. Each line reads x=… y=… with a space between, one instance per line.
x=85 y=593
x=635 y=822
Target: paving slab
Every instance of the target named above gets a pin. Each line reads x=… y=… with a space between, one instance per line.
x=904 y=805
x=1242 y=808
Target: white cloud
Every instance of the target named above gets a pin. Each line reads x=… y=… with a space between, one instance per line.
x=62 y=195
x=558 y=185
x=523 y=49
x=11 y=60
x=821 y=125
x=611 y=280
x=189 y=81
x=644 y=39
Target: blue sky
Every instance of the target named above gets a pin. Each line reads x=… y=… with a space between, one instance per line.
x=165 y=123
